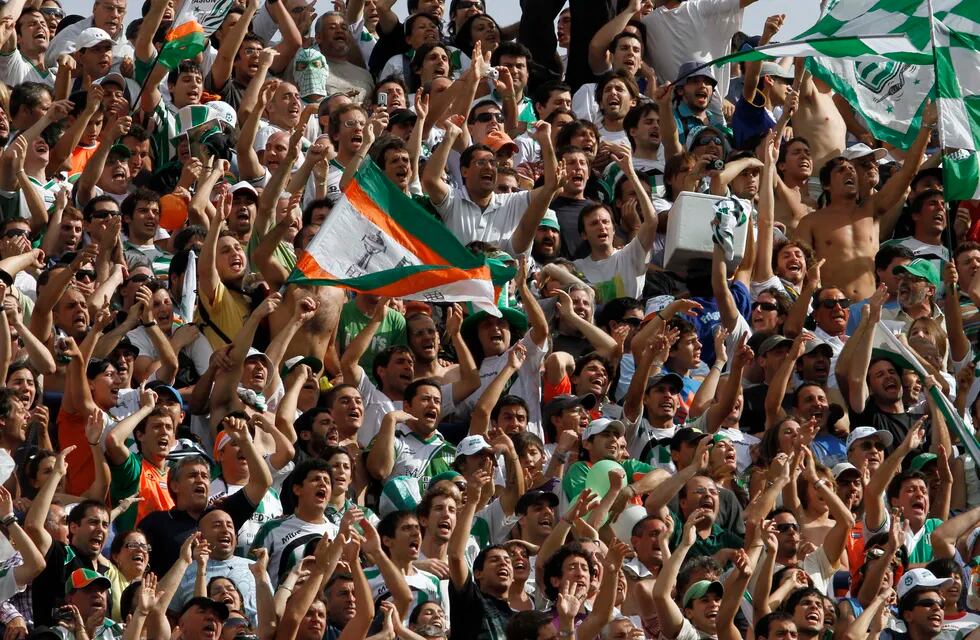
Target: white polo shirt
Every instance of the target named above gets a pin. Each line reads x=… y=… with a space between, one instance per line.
x=468 y=222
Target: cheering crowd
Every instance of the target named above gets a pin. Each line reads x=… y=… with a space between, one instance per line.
x=196 y=444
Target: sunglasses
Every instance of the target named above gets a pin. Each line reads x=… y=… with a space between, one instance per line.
x=711 y=140
x=139 y=278
x=102 y=214
x=53 y=11
x=488 y=116
x=868 y=446
x=930 y=603
x=15 y=233
x=765 y=306
x=787 y=526
x=85 y=274
x=467 y=4
x=830 y=303
x=633 y=322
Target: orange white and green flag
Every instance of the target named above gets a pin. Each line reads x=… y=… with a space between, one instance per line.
x=378 y=240
x=188 y=36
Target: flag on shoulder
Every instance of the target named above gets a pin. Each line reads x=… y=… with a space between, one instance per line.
x=958 y=96
x=378 y=240
x=188 y=36
x=886 y=345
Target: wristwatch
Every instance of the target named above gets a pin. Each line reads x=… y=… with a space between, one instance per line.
x=8 y=520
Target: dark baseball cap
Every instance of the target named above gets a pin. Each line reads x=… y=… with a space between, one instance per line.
x=687 y=435
x=533 y=497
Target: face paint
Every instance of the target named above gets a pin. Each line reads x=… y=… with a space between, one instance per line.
x=310 y=73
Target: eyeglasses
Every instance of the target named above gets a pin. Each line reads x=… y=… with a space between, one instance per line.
x=252 y=51
x=704 y=141
x=353 y=124
x=53 y=11
x=930 y=603
x=487 y=116
x=85 y=274
x=15 y=233
x=830 y=303
x=138 y=546
x=765 y=306
x=868 y=446
x=102 y=214
x=705 y=491
x=485 y=162
x=787 y=526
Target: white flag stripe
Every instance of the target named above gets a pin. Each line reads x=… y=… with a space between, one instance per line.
x=955 y=124
x=965 y=63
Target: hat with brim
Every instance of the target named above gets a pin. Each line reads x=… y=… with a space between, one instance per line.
x=602 y=425
x=162 y=388
x=774 y=70
x=246 y=187
x=701 y=588
x=773 y=342
x=81 y=578
x=920 y=268
x=120 y=150
x=919 y=579
x=402 y=116
x=500 y=141
x=697 y=131
x=516 y=319
x=844 y=467
x=533 y=497
x=532 y=549
x=313 y=363
x=674 y=380
x=91 y=37
x=255 y=353
x=695 y=69
x=862 y=433
x=861 y=150
x=922 y=460
x=125 y=344
x=686 y=435
x=550 y=220
x=817 y=343
x=207 y=603
x=110 y=78
x=472 y=445
x=560 y=403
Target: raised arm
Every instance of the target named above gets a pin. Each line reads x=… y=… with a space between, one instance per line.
x=944 y=536
x=85 y=187
x=480 y=417
x=231 y=42
x=327 y=556
x=731 y=387
x=801 y=306
x=62 y=149
x=860 y=357
x=668 y=613
x=259 y=476
x=523 y=236
x=381 y=457
x=349 y=366
x=536 y=319
x=959 y=344
x=41 y=505
x=115 y=443
x=780 y=382
x=599 y=45
x=897 y=186
x=723 y=295
x=601 y=341
x=836 y=539
x=874 y=505
x=432 y=183
x=459 y=570
x=394 y=579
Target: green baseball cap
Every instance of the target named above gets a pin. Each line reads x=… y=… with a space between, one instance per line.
x=922 y=460
x=700 y=588
x=550 y=220
x=81 y=578
x=920 y=268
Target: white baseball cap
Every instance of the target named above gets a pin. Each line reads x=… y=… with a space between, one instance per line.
x=91 y=37
x=842 y=467
x=471 y=445
x=869 y=432
x=915 y=578
x=861 y=150
x=603 y=424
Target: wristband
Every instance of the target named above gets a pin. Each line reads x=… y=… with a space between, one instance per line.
x=562 y=457
x=148 y=324
x=8 y=520
x=93 y=444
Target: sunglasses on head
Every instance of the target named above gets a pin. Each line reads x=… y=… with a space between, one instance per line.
x=52 y=11
x=765 y=306
x=830 y=303
x=487 y=116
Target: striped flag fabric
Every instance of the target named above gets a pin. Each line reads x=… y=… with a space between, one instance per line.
x=886 y=345
x=378 y=240
x=877 y=54
x=188 y=36
x=958 y=98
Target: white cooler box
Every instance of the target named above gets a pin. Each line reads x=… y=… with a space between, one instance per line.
x=689 y=232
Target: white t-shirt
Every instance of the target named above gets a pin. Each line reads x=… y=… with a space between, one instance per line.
x=15 y=69
x=621 y=274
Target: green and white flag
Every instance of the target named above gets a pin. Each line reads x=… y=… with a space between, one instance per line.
x=888 y=71
x=958 y=91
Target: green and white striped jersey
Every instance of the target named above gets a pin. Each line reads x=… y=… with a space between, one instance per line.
x=286 y=540
x=425 y=588
x=421 y=458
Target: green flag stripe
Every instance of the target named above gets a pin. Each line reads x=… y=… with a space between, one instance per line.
x=413 y=218
x=878 y=130
x=961 y=177
x=893 y=47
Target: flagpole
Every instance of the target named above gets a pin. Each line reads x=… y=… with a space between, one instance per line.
x=139 y=94
x=950 y=233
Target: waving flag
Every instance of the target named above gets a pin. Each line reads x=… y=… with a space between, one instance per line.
x=378 y=240
x=958 y=90
x=188 y=37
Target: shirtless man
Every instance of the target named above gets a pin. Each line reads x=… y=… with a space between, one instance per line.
x=818 y=120
x=795 y=167
x=845 y=233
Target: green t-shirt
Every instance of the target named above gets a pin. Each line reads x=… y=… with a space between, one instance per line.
x=574 y=480
x=718 y=540
x=390 y=333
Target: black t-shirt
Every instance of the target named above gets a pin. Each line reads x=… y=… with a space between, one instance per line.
x=753 y=418
x=567 y=210
x=897 y=424
x=166 y=531
x=48 y=589
x=475 y=615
